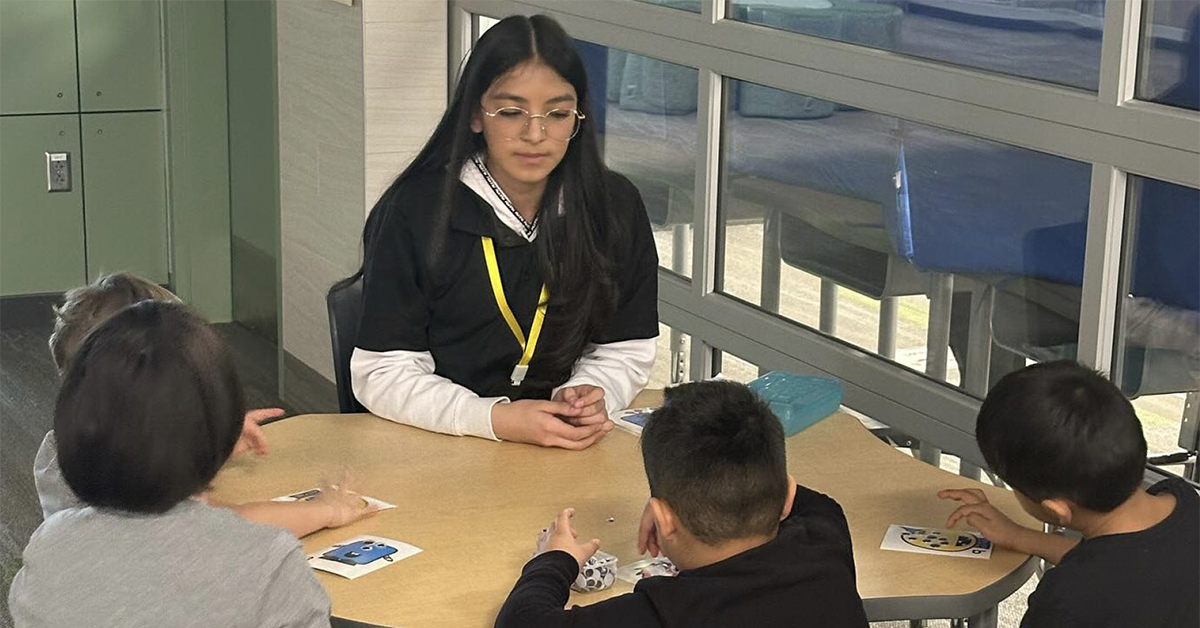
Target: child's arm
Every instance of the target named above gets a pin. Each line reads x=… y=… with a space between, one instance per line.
x=253 y=438
x=1051 y=547
x=333 y=508
x=996 y=526
x=540 y=594
x=538 y=598
x=299 y=518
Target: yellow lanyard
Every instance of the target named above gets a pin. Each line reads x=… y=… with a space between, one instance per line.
x=522 y=367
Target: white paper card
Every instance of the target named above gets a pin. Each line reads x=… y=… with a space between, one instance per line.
x=361 y=555
x=632 y=420
x=310 y=494
x=647 y=568
x=936 y=541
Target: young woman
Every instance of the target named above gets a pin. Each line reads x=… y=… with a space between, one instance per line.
x=510 y=279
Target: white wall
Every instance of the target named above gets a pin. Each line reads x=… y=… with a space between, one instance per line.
x=404 y=80
x=360 y=88
x=321 y=169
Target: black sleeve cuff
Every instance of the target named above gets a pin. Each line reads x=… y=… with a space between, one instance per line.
x=556 y=564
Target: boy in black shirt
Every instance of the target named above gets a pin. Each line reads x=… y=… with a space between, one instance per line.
x=753 y=548
x=1070 y=445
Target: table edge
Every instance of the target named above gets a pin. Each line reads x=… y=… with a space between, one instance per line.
x=877 y=609
x=950 y=606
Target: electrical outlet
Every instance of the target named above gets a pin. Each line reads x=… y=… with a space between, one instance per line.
x=58 y=172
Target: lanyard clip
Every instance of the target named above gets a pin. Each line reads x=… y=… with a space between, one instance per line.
x=518 y=374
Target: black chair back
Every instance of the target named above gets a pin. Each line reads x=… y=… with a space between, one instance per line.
x=344 y=302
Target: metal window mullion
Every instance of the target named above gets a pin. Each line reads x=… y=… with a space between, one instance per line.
x=708 y=163
x=1102 y=267
x=462 y=27
x=704 y=241
x=712 y=10
x=1119 y=50
x=707 y=182
x=701 y=360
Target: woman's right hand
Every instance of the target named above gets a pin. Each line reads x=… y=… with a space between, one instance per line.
x=537 y=422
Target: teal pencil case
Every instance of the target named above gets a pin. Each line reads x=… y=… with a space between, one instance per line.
x=798 y=400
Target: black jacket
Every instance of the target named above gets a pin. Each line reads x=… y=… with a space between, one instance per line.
x=804 y=577
x=449 y=310
x=1146 y=579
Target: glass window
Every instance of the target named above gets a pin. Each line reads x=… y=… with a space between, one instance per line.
x=736 y=369
x=1056 y=41
x=1157 y=357
x=691 y=6
x=1169 y=60
x=644 y=111
x=849 y=221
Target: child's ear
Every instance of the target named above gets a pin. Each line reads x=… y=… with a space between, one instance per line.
x=1060 y=509
x=665 y=520
x=477 y=122
x=791 y=498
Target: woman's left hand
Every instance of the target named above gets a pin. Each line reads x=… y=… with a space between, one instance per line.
x=589 y=400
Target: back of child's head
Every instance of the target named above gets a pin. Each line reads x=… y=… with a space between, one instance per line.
x=149 y=410
x=87 y=306
x=714 y=452
x=1062 y=430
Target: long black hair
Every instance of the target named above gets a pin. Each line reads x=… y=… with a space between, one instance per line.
x=574 y=246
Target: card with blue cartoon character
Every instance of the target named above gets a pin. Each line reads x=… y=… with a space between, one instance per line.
x=936 y=541
x=361 y=555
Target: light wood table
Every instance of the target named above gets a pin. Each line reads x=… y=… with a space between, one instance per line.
x=475 y=508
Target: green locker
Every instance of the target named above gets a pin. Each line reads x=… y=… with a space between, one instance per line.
x=41 y=232
x=125 y=195
x=37 y=56
x=120 y=54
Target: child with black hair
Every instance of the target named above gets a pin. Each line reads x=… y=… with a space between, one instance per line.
x=1070 y=445
x=150 y=409
x=753 y=547
x=84 y=309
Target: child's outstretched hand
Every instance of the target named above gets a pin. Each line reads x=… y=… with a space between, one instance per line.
x=342 y=505
x=983 y=516
x=1003 y=531
x=253 y=438
x=561 y=536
